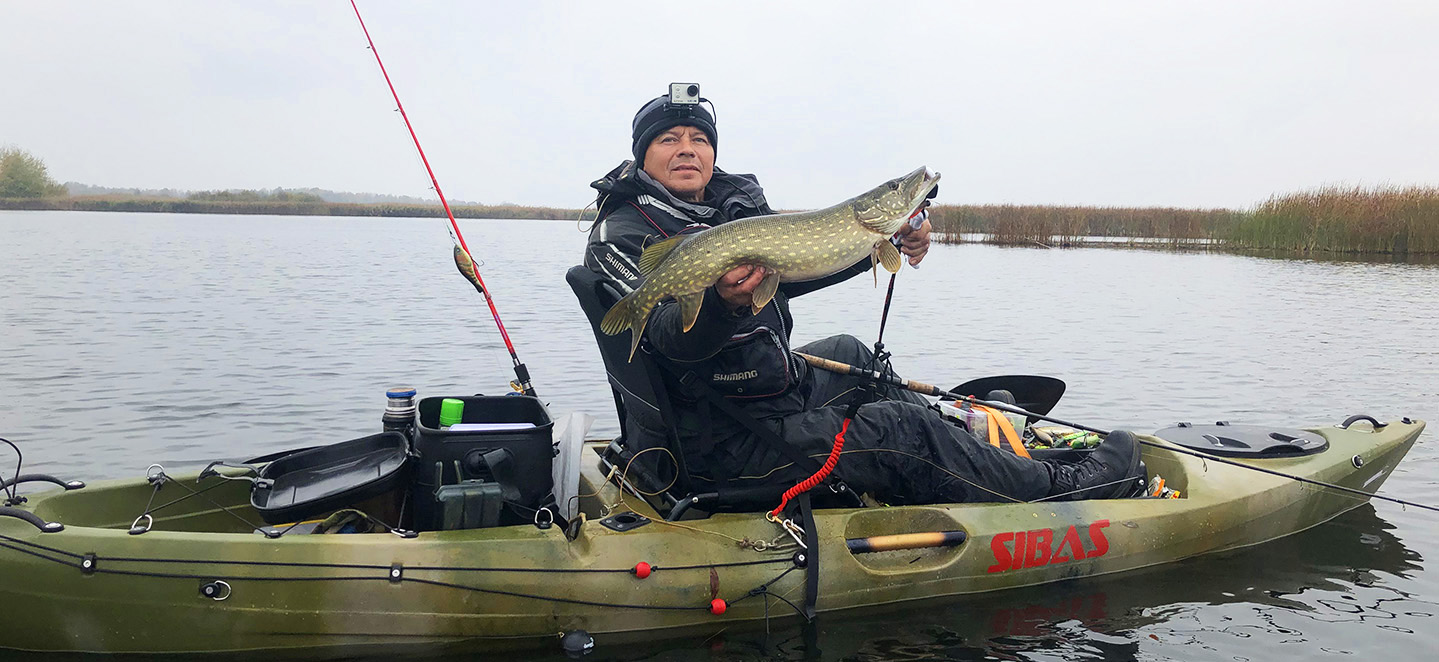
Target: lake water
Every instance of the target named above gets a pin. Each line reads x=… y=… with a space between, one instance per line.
x=127 y=339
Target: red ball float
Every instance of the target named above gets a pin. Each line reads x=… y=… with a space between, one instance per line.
x=718 y=606
x=642 y=570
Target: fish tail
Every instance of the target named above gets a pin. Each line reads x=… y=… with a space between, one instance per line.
x=627 y=313
x=620 y=316
x=637 y=331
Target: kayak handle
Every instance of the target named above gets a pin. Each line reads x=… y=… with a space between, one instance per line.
x=32 y=518
x=1361 y=417
x=254 y=480
x=47 y=478
x=37 y=478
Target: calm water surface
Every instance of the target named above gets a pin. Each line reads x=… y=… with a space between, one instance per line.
x=139 y=338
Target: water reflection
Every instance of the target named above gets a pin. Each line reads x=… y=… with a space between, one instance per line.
x=1279 y=600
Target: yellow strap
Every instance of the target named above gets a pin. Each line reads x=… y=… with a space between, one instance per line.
x=999 y=424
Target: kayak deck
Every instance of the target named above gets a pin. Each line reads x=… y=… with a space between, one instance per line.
x=519 y=585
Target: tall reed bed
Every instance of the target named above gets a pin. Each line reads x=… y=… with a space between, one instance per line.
x=1028 y=224
x=1344 y=219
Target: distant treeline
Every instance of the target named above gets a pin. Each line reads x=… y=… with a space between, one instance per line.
x=79 y=189
x=1334 y=219
x=283 y=207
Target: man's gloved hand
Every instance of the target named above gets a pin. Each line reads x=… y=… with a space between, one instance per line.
x=914 y=236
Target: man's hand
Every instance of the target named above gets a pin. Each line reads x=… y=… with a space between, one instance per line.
x=737 y=287
x=914 y=242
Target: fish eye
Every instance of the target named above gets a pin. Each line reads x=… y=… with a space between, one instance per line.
x=894 y=186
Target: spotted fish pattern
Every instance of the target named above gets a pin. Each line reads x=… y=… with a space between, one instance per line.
x=791 y=247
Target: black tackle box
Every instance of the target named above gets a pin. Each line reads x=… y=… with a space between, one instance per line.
x=518 y=460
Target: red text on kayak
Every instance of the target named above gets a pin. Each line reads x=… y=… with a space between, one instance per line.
x=1040 y=547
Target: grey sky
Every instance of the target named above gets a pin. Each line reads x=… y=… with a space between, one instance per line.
x=1143 y=103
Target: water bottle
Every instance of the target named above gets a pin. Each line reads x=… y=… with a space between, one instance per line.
x=400 y=410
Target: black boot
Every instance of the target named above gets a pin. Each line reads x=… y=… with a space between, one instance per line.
x=1111 y=471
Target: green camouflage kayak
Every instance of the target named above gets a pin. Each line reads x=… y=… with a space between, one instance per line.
x=200 y=580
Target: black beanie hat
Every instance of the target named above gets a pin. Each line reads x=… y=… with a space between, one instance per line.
x=660 y=115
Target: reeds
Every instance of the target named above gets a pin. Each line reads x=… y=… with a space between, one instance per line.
x=1344 y=219
x=1049 y=225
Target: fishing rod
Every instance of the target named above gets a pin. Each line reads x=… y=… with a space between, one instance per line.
x=927 y=389
x=464 y=260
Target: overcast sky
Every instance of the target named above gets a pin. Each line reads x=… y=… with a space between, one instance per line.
x=1113 y=103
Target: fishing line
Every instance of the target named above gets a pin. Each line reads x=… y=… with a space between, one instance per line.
x=522 y=374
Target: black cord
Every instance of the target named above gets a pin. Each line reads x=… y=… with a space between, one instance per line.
x=760 y=590
x=361 y=566
x=14 y=489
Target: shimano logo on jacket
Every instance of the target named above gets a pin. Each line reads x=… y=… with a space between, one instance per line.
x=736 y=376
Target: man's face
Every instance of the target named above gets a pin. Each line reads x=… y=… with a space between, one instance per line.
x=682 y=160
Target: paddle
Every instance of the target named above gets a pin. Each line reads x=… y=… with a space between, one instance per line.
x=1035 y=393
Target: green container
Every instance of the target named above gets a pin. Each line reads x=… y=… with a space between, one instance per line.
x=452 y=411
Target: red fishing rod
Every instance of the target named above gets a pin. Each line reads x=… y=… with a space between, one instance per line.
x=463 y=258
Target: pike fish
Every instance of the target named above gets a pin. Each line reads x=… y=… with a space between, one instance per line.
x=791 y=247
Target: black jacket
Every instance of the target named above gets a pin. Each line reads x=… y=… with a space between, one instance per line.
x=745 y=357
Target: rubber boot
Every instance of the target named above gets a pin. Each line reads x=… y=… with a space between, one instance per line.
x=1111 y=471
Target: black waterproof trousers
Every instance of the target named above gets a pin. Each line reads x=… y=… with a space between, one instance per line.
x=896 y=449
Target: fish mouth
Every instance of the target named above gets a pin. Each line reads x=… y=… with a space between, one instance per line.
x=929 y=187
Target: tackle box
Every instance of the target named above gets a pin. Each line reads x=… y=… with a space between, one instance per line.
x=516 y=452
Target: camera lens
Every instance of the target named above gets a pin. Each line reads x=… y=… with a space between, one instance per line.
x=693 y=90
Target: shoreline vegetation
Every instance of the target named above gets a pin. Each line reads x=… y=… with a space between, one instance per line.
x=284 y=207
x=1335 y=219
x=1344 y=220
x=1352 y=220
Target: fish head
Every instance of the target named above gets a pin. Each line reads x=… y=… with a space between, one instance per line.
x=887 y=207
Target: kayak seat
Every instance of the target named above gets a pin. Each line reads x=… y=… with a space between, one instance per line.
x=637 y=385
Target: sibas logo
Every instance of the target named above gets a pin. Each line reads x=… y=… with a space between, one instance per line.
x=1032 y=549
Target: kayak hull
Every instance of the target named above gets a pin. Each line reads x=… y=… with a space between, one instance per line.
x=518 y=586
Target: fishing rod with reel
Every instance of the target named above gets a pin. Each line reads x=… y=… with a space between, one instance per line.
x=464 y=259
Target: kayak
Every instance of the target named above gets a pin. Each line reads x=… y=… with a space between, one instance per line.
x=87 y=576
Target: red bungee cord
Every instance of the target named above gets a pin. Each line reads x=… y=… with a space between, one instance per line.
x=521 y=373
x=819 y=476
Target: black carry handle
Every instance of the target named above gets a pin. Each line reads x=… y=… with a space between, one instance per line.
x=254 y=480
x=45 y=527
x=42 y=478
x=1362 y=417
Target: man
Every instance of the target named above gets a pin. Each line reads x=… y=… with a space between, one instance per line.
x=896 y=449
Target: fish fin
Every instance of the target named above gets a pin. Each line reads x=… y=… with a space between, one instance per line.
x=619 y=316
x=888 y=255
x=874 y=269
x=690 y=308
x=637 y=331
x=765 y=292
x=626 y=314
x=652 y=256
